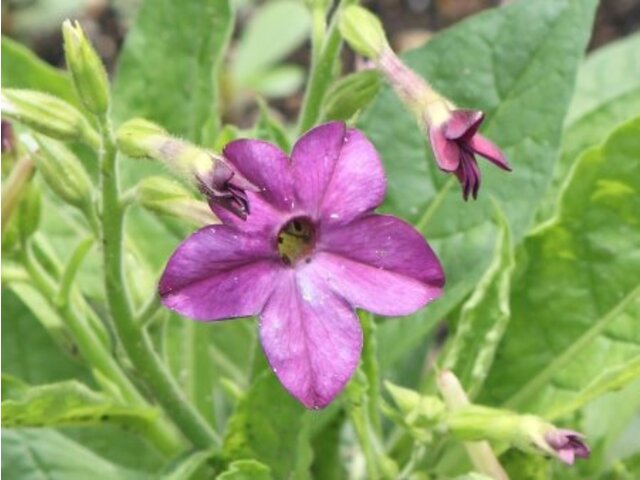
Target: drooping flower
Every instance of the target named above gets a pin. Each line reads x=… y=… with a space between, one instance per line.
x=310 y=251
x=453 y=132
x=567 y=445
x=456 y=141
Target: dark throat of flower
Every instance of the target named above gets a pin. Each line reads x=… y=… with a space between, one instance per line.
x=296 y=240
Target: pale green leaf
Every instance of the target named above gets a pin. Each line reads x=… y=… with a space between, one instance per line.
x=34 y=454
x=66 y=403
x=518 y=64
x=576 y=301
x=246 y=470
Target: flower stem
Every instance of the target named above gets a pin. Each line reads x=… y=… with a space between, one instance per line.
x=480 y=453
x=322 y=71
x=135 y=340
x=94 y=351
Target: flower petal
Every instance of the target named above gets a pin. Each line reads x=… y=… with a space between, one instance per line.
x=338 y=173
x=262 y=216
x=446 y=152
x=208 y=276
x=463 y=123
x=381 y=264
x=482 y=146
x=311 y=337
x=264 y=165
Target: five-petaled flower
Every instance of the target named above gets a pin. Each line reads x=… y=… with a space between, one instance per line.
x=567 y=445
x=310 y=251
x=456 y=141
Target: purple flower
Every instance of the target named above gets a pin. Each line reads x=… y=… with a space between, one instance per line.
x=310 y=251
x=567 y=445
x=226 y=188
x=7 y=136
x=456 y=141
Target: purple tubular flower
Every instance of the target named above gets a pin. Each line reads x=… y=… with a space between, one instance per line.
x=456 y=142
x=567 y=445
x=310 y=251
x=226 y=188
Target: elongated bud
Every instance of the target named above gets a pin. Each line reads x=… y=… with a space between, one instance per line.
x=87 y=70
x=48 y=115
x=419 y=410
x=211 y=174
x=363 y=31
x=63 y=172
x=167 y=197
x=29 y=211
x=526 y=432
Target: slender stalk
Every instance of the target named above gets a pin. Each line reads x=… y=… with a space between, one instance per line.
x=14 y=187
x=135 y=340
x=322 y=71
x=94 y=351
x=71 y=270
x=480 y=453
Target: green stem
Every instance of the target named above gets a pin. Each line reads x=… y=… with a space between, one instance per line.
x=135 y=340
x=94 y=352
x=322 y=72
x=71 y=270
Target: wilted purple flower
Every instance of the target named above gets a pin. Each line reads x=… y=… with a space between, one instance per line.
x=567 y=445
x=224 y=187
x=7 y=136
x=455 y=143
x=310 y=250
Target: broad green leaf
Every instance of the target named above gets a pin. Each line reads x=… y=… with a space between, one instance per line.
x=607 y=94
x=21 y=68
x=484 y=318
x=277 y=28
x=43 y=453
x=576 y=301
x=518 y=64
x=168 y=68
x=66 y=403
x=246 y=470
x=188 y=465
x=271 y=427
x=28 y=352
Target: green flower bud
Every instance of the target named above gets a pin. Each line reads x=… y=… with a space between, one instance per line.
x=363 y=31
x=48 y=115
x=87 y=70
x=28 y=213
x=63 y=172
x=423 y=411
x=167 y=197
x=140 y=138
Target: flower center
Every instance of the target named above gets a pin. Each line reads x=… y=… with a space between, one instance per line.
x=296 y=240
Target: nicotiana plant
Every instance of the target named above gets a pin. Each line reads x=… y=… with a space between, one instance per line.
x=135 y=220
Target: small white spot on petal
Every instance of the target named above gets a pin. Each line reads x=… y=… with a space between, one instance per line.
x=334 y=216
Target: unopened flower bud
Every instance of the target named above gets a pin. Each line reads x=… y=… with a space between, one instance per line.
x=87 y=70
x=526 y=432
x=222 y=184
x=167 y=197
x=48 y=115
x=363 y=31
x=8 y=139
x=63 y=172
x=420 y=411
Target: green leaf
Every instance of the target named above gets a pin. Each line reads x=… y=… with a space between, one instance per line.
x=188 y=465
x=518 y=64
x=576 y=301
x=66 y=403
x=28 y=351
x=21 y=68
x=269 y=129
x=271 y=427
x=168 y=68
x=350 y=94
x=277 y=82
x=246 y=470
x=607 y=94
x=277 y=29
x=44 y=453
x=484 y=318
